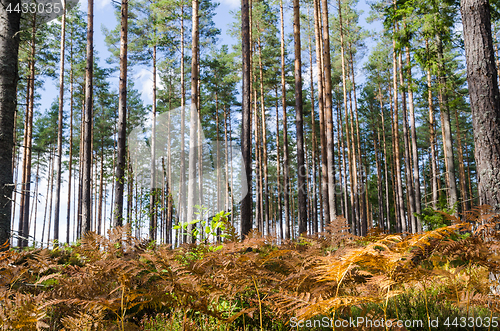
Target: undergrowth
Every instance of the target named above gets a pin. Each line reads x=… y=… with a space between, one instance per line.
x=119 y=282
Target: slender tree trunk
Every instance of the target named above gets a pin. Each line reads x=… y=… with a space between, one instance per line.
x=484 y=98
x=461 y=167
x=70 y=164
x=153 y=226
x=25 y=204
x=314 y=199
x=49 y=176
x=386 y=161
x=399 y=183
x=446 y=126
x=301 y=171
x=87 y=146
x=122 y=120
x=264 y=140
x=182 y=184
x=60 y=126
x=432 y=137
x=319 y=65
x=278 y=169
x=9 y=46
x=193 y=134
x=349 y=135
x=376 y=136
x=327 y=70
x=101 y=186
x=286 y=169
x=416 y=170
x=412 y=222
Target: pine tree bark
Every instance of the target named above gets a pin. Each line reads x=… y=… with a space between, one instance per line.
x=299 y=121
x=193 y=131
x=286 y=168
x=446 y=126
x=264 y=141
x=484 y=97
x=399 y=184
x=412 y=222
x=327 y=77
x=87 y=146
x=122 y=120
x=386 y=160
x=60 y=126
x=70 y=163
x=322 y=130
x=9 y=47
x=314 y=204
x=432 y=138
x=152 y=184
x=28 y=142
x=414 y=150
x=182 y=185
x=461 y=167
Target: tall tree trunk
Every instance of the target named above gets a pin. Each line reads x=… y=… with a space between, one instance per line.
x=153 y=226
x=432 y=137
x=399 y=183
x=376 y=136
x=327 y=70
x=25 y=204
x=87 y=146
x=278 y=169
x=349 y=135
x=343 y=166
x=264 y=140
x=314 y=199
x=101 y=186
x=49 y=176
x=122 y=120
x=60 y=126
x=286 y=169
x=446 y=126
x=322 y=130
x=9 y=46
x=416 y=171
x=412 y=222
x=182 y=184
x=301 y=171
x=193 y=134
x=362 y=209
x=461 y=167
x=386 y=161
x=246 y=139
x=484 y=98
x=70 y=163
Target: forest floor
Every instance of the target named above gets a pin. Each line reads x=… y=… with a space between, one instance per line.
x=442 y=279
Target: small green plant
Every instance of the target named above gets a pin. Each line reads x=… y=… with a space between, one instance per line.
x=216 y=228
x=433 y=219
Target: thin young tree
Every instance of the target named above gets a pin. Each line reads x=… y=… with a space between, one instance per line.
x=301 y=170
x=87 y=136
x=327 y=77
x=122 y=120
x=193 y=134
x=246 y=139
x=60 y=126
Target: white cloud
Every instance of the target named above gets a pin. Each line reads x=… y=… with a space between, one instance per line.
x=101 y=4
x=231 y=4
x=144 y=83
